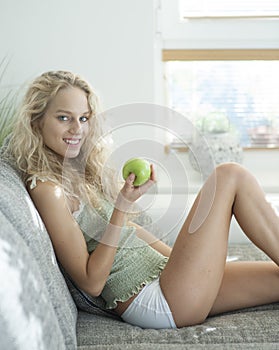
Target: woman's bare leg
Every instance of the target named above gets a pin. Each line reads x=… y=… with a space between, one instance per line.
x=194 y=274
x=247 y=284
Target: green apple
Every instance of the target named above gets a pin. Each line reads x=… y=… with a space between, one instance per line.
x=138 y=166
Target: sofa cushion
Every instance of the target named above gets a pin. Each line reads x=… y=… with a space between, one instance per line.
x=86 y=302
x=27 y=317
x=17 y=206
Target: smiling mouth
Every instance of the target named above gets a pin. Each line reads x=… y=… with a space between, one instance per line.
x=72 y=141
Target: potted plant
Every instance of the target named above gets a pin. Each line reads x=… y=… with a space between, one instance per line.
x=8 y=104
x=215 y=142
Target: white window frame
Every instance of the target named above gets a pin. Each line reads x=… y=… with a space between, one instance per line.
x=215 y=33
x=228 y=9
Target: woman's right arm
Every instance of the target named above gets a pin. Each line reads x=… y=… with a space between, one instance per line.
x=89 y=272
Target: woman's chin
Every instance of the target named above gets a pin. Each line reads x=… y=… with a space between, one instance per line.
x=71 y=154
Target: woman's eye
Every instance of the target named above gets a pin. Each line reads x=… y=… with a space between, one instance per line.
x=84 y=119
x=63 y=117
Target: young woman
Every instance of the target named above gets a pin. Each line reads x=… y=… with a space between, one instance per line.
x=57 y=144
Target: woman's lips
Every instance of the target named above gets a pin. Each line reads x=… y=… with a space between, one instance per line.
x=71 y=141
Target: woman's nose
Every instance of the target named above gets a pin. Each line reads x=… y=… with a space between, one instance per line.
x=75 y=127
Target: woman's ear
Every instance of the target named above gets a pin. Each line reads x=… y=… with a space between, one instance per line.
x=37 y=124
x=36 y=128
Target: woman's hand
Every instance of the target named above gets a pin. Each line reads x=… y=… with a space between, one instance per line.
x=130 y=193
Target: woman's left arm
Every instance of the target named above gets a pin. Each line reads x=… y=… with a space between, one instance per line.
x=153 y=241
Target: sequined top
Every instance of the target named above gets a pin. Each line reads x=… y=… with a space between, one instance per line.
x=135 y=263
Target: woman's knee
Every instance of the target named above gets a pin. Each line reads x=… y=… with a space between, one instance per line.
x=230 y=171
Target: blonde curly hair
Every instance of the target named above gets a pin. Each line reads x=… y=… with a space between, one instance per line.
x=81 y=177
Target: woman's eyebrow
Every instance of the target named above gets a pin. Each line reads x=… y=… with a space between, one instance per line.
x=63 y=111
x=69 y=112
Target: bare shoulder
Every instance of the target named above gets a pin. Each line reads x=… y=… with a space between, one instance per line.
x=43 y=187
x=51 y=202
x=47 y=193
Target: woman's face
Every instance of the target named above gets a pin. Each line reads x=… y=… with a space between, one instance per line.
x=65 y=123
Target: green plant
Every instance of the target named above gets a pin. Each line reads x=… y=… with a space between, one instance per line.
x=8 y=104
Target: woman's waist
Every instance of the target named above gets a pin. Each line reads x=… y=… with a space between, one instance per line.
x=121 y=288
x=123 y=305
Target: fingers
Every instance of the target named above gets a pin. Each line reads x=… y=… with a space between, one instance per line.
x=131 y=192
x=130 y=180
x=152 y=175
x=144 y=187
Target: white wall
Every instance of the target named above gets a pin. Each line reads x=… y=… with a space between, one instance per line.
x=108 y=42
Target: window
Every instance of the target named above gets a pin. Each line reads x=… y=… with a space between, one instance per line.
x=224 y=56
x=241 y=84
x=228 y=8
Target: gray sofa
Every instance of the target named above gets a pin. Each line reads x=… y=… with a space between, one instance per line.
x=40 y=307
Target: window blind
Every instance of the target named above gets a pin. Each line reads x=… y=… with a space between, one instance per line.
x=245 y=91
x=228 y=8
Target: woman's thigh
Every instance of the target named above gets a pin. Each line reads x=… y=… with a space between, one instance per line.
x=193 y=275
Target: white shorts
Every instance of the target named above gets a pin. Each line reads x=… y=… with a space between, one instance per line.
x=149 y=309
